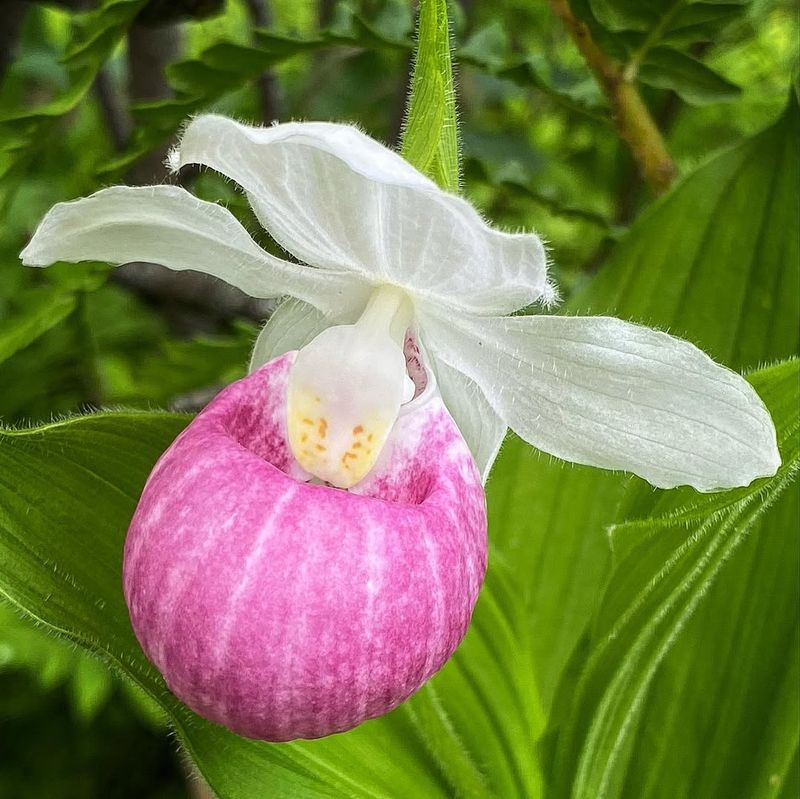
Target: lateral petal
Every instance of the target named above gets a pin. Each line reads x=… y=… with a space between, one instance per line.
x=480 y=425
x=608 y=393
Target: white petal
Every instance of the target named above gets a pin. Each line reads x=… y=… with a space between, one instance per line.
x=481 y=427
x=169 y=226
x=608 y=393
x=337 y=199
x=293 y=324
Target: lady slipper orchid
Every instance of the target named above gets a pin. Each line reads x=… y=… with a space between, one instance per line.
x=308 y=552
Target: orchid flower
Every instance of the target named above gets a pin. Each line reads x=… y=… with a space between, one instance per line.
x=310 y=549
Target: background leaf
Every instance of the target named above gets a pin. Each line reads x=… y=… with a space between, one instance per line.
x=708 y=261
x=662 y=43
x=695 y=82
x=39 y=312
x=666 y=565
x=24 y=129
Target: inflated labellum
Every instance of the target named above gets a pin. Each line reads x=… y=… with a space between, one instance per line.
x=288 y=608
x=309 y=551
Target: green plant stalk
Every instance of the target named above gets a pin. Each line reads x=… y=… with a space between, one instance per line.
x=430 y=133
x=630 y=115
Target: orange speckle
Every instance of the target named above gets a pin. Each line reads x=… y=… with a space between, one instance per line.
x=370 y=437
x=357 y=430
x=323 y=427
x=304 y=438
x=321 y=448
x=357 y=445
x=307 y=421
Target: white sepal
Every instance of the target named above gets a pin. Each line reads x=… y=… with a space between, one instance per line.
x=337 y=199
x=169 y=226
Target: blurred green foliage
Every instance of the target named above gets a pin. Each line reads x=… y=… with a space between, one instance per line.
x=61 y=708
x=85 y=103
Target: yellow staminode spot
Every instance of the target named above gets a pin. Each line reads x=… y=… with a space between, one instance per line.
x=345 y=391
x=343 y=461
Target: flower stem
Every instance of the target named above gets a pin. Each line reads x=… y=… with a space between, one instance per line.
x=430 y=134
x=631 y=117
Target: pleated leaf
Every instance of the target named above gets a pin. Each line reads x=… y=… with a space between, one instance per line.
x=715 y=261
x=666 y=564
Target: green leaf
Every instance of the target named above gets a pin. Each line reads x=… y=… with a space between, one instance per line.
x=667 y=563
x=97 y=33
x=716 y=260
x=632 y=15
x=489 y=47
x=696 y=83
x=49 y=660
x=25 y=129
x=91 y=687
x=643 y=36
x=67 y=493
x=699 y=22
x=223 y=67
x=529 y=73
x=430 y=135
x=173 y=368
x=41 y=311
x=710 y=261
x=620 y=15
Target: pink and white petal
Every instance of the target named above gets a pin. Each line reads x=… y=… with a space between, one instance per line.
x=608 y=393
x=169 y=226
x=338 y=199
x=285 y=609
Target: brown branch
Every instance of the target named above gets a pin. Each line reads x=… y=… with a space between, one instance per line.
x=267 y=84
x=150 y=50
x=325 y=13
x=13 y=16
x=631 y=117
x=114 y=111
